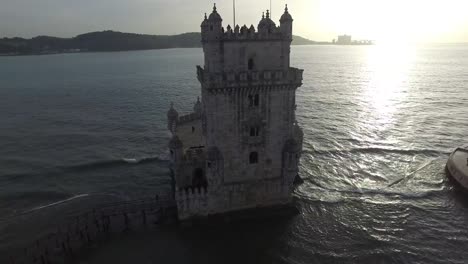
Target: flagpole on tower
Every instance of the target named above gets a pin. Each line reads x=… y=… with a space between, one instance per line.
x=234 y=10
x=271 y=11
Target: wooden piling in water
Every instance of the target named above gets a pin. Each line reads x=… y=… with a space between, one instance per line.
x=89 y=227
x=144 y=217
x=126 y=221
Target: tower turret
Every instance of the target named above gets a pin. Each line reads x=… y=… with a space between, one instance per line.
x=176 y=149
x=212 y=29
x=266 y=25
x=197 y=108
x=286 y=22
x=172 y=118
x=212 y=35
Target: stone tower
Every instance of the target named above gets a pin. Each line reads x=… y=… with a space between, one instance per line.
x=241 y=146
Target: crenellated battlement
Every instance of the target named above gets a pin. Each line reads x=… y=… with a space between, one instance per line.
x=245 y=33
x=212 y=30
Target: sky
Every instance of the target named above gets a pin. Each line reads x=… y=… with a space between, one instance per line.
x=380 y=20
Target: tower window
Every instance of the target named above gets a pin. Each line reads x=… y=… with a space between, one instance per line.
x=254 y=131
x=211 y=28
x=254 y=100
x=253 y=158
x=251 y=64
x=198 y=178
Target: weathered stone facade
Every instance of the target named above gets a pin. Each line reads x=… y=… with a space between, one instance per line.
x=241 y=146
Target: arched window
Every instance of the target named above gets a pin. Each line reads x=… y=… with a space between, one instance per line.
x=251 y=64
x=198 y=178
x=256 y=100
x=253 y=157
x=211 y=28
x=254 y=131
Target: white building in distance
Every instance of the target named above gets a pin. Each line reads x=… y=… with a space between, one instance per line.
x=240 y=148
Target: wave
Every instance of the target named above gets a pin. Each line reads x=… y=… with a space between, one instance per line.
x=408 y=176
x=110 y=163
x=377 y=150
x=52 y=199
x=56 y=203
x=400 y=193
x=87 y=167
x=385 y=191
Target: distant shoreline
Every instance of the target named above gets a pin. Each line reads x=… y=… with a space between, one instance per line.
x=87 y=51
x=112 y=51
x=110 y=41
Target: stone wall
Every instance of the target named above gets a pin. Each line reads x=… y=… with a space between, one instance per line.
x=247 y=85
x=200 y=202
x=229 y=116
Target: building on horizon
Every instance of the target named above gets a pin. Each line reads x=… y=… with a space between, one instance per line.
x=344 y=40
x=241 y=145
x=347 y=40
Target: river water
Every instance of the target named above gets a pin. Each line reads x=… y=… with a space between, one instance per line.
x=78 y=130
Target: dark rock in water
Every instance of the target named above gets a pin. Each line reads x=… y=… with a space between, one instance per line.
x=457 y=166
x=298 y=180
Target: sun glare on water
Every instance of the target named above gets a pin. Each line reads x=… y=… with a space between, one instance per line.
x=397 y=27
x=388 y=72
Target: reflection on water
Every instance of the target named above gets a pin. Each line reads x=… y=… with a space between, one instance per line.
x=388 y=69
x=376 y=154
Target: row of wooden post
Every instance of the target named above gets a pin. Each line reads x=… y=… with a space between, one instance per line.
x=81 y=229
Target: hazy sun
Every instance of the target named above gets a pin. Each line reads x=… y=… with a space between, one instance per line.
x=396 y=20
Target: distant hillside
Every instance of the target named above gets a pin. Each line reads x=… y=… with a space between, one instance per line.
x=302 y=41
x=106 y=41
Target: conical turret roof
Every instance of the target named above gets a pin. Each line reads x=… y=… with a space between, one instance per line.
x=286 y=17
x=266 y=22
x=214 y=16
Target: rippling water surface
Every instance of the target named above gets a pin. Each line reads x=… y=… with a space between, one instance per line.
x=379 y=123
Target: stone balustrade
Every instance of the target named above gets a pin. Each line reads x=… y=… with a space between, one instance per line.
x=188 y=118
x=249 y=78
x=194 y=154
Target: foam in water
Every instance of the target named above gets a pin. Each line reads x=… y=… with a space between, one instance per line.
x=57 y=203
